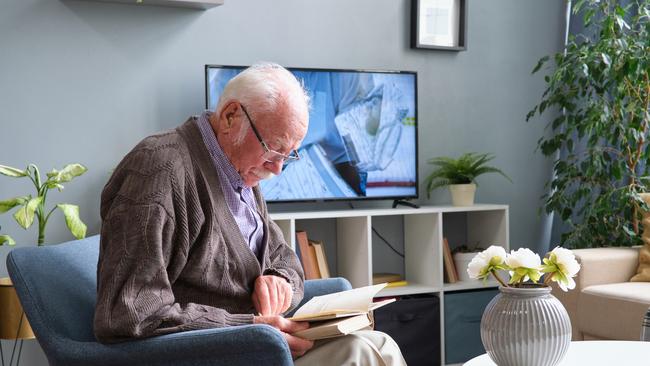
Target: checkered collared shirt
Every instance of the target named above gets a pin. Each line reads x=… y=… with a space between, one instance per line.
x=240 y=199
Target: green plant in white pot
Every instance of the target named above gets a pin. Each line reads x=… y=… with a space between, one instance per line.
x=460 y=175
x=30 y=207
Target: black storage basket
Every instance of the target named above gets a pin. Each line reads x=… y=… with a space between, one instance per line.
x=414 y=323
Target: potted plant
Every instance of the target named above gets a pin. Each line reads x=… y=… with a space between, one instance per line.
x=598 y=92
x=6 y=239
x=30 y=207
x=463 y=255
x=524 y=324
x=15 y=326
x=460 y=175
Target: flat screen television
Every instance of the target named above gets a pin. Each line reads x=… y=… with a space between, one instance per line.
x=362 y=137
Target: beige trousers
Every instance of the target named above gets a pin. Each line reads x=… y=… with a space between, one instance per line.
x=362 y=348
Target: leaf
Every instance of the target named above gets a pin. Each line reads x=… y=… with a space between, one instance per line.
x=25 y=215
x=72 y=220
x=12 y=172
x=69 y=172
x=11 y=203
x=540 y=63
x=6 y=239
x=606 y=59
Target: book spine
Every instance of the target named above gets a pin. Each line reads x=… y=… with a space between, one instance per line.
x=321 y=258
x=307 y=256
x=450 y=268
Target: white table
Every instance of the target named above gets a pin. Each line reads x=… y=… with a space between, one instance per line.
x=593 y=353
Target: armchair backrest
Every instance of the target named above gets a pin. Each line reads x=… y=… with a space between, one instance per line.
x=57 y=286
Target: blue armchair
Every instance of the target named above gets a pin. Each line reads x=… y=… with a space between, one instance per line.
x=57 y=287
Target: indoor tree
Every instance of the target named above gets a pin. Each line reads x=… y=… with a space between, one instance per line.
x=599 y=88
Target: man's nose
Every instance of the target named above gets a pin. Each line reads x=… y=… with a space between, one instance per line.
x=275 y=166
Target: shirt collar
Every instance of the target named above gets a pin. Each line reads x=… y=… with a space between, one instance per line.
x=218 y=156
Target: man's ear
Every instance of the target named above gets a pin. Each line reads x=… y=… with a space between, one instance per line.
x=228 y=114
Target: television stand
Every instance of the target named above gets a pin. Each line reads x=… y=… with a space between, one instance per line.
x=405 y=203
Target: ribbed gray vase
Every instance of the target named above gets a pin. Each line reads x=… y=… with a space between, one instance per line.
x=525 y=326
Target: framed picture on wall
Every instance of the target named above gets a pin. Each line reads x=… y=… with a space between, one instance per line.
x=439 y=24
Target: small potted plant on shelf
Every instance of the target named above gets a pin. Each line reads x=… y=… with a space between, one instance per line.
x=524 y=320
x=460 y=175
x=463 y=255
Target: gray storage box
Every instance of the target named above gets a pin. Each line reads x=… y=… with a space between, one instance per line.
x=463 y=312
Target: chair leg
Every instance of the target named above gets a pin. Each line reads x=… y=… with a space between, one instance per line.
x=2 y=356
x=20 y=349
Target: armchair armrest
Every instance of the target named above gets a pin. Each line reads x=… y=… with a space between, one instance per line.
x=241 y=345
x=322 y=287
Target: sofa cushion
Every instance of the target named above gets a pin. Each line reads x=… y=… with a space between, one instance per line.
x=614 y=311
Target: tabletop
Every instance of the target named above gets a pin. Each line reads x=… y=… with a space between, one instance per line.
x=593 y=353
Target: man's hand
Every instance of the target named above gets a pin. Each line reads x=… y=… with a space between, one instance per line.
x=272 y=295
x=298 y=346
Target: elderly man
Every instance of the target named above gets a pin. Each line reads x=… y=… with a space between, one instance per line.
x=186 y=242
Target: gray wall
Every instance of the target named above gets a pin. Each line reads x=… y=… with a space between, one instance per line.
x=84 y=81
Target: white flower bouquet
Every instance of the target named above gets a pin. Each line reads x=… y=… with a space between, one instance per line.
x=524 y=265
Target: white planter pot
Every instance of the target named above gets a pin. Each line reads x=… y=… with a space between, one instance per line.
x=461 y=260
x=462 y=194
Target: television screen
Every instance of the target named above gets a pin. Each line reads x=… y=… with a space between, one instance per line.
x=362 y=136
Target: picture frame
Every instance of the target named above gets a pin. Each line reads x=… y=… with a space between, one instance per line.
x=439 y=24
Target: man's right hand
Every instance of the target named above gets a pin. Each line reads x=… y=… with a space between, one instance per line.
x=298 y=346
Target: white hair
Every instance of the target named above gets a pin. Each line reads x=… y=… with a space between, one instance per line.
x=265 y=88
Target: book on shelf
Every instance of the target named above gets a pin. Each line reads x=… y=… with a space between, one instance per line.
x=307 y=256
x=378 y=278
x=450 y=269
x=397 y=284
x=321 y=258
x=331 y=315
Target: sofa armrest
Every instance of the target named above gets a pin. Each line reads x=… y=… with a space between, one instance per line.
x=598 y=266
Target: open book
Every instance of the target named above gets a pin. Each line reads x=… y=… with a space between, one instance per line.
x=340 y=313
x=337 y=327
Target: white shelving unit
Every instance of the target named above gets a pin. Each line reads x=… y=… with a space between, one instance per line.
x=193 y=4
x=350 y=243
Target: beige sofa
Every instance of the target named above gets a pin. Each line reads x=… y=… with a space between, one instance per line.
x=604 y=304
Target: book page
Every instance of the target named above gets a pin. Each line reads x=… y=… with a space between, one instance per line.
x=358 y=300
x=336 y=328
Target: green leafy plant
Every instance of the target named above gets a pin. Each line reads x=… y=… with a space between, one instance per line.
x=30 y=207
x=466 y=249
x=463 y=170
x=6 y=239
x=599 y=91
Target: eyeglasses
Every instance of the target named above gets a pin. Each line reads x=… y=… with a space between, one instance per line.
x=271 y=156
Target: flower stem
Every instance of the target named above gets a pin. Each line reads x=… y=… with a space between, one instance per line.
x=494 y=273
x=547 y=279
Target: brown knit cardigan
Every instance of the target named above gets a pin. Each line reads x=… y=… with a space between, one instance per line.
x=172 y=257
